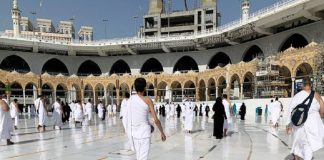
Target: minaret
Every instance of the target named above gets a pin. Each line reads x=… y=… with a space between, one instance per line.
x=155 y=7
x=245 y=10
x=16 y=15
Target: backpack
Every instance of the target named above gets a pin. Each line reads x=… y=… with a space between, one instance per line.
x=300 y=113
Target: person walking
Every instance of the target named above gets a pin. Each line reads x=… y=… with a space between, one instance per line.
x=308 y=137
x=219 y=117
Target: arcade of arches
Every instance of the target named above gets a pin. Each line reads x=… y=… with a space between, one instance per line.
x=236 y=80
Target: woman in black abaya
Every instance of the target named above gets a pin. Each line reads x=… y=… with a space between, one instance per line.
x=219 y=117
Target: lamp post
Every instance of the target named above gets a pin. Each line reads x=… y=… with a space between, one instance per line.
x=105 y=22
x=34 y=15
x=135 y=24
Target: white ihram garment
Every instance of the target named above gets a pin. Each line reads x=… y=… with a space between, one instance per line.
x=167 y=111
x=88 y=110
x=42 y=114
x=57 y=115
x=138 y=126
x=114 y=108
x=123 y=112
x=308 y=137
x=14 y=113
x=172 y=110
x=189 y=115
x=109 y=109
x=227 y=121
x=5 y=124
x=275 y=110
x=78 y=113
x=100 y=110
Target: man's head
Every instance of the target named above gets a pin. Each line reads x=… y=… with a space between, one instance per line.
x=307 y=82
x=15 y=100
x=127 y=95
x=140 y=84
x=58 y=99
x=277 y=98
x=271 y=100
x=4 y=96
x=225 y=96
x=89 y=100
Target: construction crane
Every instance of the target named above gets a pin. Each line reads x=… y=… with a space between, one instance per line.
x=186 y=5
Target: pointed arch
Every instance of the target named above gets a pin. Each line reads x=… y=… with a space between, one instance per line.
x=152 y=65
x=54 y=67
x=296 y=40
x=120 y=67
x=16 y=63
x=220 y=59
x=185 y=64
x=251 y=53
x=89 y=67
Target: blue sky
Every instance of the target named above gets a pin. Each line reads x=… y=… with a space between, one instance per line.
x=120 y=13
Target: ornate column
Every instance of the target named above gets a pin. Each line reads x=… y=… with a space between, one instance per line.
x=54 y=95
x=94 y=97
x=156 y=98
x=216 y=91
x=24 y=96
x=197 y=94
x=228 y=89
x=206 y=95
x=118 y=96
x=105 y=95
x=241 y=93
x=292 y=86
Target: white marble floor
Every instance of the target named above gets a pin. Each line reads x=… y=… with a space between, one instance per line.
x=249 y=140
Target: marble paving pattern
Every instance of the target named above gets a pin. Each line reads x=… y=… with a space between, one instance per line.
x=252 y=139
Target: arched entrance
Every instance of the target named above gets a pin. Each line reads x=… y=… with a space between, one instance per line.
x=16 y=90
x=47 y=92
x=89 y=67
x=123 y=89
x=248 y=86
x=295 y=40
x=16 y=63
x=111 y=93
x=100 y=93
x=189 y=89
x=252 y=53
x=303 y=70
x=75 y=92
x=162 y=90
x=285 y=80
x=220 y=59
x=88 y=93
x=120 y=67
x=202 y=91
x=61 y=92
x=211 y=90
x=235 y=87
x=55 y=67
x=150 y=90
x=30 y=93
x=176 y=92
x=221 y=84
x=152 y=65
x=186 y=64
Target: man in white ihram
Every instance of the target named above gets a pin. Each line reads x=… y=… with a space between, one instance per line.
x=189 y=115
x=114 y=109
x=5 y=122
x=88 y=110
x=42 y=113
x=309 y=137
x=228 y=121
x=14 y=112
x=275 y=110
x=167 y=110
x=138 y=126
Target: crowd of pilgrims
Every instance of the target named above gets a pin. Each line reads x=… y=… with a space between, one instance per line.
x=81 y=114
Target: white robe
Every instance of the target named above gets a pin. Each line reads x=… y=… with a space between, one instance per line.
x=88 y=111
x=274 y=112
x=228 y=114
x=172 y=110
x=114 y=109
x=100 y=110
x=109 y=109
x=14 y=112
x=189 y=115
x=42 y=114
x=5 y=124
x=78 y=113
x=167 y=110
x=308 y=137
x=57 y=115
x=123 y=112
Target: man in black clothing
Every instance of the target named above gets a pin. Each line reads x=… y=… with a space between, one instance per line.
x=178 y=110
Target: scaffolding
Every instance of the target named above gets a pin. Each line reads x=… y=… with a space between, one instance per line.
x=268 y=81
